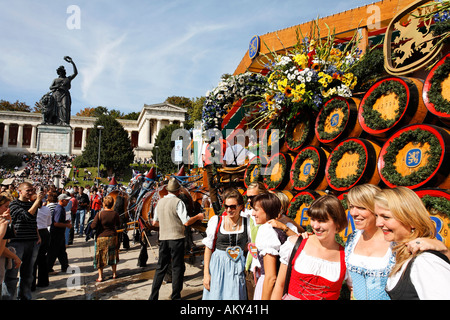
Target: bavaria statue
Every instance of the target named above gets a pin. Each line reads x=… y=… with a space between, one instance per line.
x=57 y=103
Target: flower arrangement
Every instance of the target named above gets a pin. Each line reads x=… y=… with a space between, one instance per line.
x=229 y=90
x=314 y=71
x=439 y=12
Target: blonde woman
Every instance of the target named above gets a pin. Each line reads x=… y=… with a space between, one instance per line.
x=368 y=255
x=403 y=218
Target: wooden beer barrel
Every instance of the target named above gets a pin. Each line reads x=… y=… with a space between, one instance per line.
x=276 y=174
x=436 y=90
x=437 y=202
x=416 y=156
x=390 y=104
x=308 y=169
x=300 y=204
x=300 y=131
x=271 y=138
x=253 y=173
x=337 y=120
x=352 y=162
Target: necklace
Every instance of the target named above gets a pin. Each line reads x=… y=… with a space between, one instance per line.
x=234 y=225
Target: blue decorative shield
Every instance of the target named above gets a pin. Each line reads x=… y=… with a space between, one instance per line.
x=413 y=157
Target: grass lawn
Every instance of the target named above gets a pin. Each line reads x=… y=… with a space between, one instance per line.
x=91 y=180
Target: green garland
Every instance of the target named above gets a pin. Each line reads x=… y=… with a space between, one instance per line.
x=250 y=169
x=289 y=137
x=266 y=147
x=439 y=204
x=372 y=118
x=348 y=146
x=273 y=184
x=327 y=110
x=297 y=203
x=421 y=136
x=435 y=93
x=308 y=153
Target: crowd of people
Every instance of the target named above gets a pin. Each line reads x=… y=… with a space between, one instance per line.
x=254 y=251
x=37 y=224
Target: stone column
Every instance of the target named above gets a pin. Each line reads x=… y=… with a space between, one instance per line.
x=19 y=136
x=33 y=137
x=6 y=136
x=83 y=139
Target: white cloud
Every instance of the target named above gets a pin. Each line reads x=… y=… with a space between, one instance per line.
x=133 y=52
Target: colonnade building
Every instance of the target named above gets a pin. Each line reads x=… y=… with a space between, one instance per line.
x=18 y=130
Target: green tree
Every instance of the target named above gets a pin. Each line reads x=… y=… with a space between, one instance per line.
x=164 y=152
x=193 y=106
x=116 y=152
x=16 y=106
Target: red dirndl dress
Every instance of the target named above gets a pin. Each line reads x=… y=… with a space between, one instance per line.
x=312 y=287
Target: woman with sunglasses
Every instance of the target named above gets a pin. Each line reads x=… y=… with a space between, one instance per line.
x=225 y=247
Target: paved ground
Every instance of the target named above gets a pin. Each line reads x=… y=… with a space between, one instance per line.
x=133 y=282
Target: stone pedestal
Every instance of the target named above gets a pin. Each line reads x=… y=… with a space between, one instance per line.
x=54 y=139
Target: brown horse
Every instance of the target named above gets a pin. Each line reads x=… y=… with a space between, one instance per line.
x=146 y=212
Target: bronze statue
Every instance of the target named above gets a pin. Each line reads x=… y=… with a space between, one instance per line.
x=57 y=103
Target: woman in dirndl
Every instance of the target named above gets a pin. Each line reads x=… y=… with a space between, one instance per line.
x=106 y=223
x=226 y=242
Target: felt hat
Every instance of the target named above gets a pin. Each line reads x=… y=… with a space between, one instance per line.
x=113 y=182
x=151 y=174
x=173 y=185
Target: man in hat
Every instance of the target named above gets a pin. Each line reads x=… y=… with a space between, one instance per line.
x=57 y=247
x=171 y=217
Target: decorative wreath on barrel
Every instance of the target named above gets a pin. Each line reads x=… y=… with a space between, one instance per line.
x=436 y=204
x=372 y=118
x=435 y=93
x=297 y=202
x=289 y=136
x=272 y=184
x=351 y=147
x=249 y=177
x=326 y=111
x=389 y=171
x=305 y=154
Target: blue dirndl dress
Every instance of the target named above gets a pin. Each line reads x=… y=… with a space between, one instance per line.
x=369 y=280
x=227 y=274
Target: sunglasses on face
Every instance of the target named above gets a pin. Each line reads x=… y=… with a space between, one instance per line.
x=249 y=198
x=232 y=207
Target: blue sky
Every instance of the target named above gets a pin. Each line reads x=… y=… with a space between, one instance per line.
x=136 y=52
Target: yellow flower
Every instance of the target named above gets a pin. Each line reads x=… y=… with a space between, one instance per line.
x=282 y=84
x=301 y=60
x=288 y=91
x=268 y=98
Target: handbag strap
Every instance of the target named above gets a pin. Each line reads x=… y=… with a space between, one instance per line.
x=289 y=268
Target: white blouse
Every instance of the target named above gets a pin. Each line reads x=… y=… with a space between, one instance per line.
x=211 y=231
x=430 y=276
x=307 y=264
x=267 y=240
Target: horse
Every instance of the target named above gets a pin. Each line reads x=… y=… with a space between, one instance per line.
x=146 y=211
